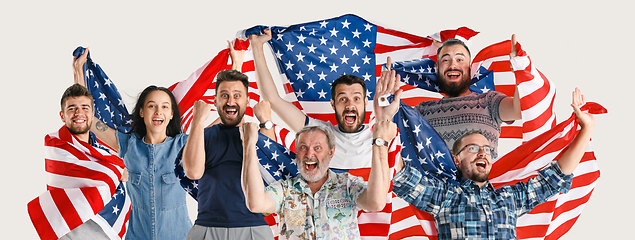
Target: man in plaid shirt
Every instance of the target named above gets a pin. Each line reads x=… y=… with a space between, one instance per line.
x=475 y=209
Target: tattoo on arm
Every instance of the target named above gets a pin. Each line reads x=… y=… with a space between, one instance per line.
x=101 y=126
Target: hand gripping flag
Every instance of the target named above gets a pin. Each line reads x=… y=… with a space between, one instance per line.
x=200 y=85
x=109 y=106
x=493 y=69
x=82 y=183
x=309 y=56
x=276 y=163
x=555 y=217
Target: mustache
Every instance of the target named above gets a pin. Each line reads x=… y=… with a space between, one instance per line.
x=479 y=158
x=350 y=111
x=453 y=69
x=311 y=160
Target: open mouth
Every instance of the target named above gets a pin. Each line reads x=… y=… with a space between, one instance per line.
x=481 y=164
x=310 y=165
x=231 y=112
x=79 y=121
x=453 y=75
x=350 y=118
x=157 y=121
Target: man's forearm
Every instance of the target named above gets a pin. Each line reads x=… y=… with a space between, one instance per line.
x=194 y=152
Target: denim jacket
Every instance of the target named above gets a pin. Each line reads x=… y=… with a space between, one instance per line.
x=158 y=209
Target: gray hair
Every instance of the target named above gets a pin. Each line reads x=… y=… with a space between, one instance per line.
x=330 y=138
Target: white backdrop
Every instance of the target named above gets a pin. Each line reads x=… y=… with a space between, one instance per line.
x=138 y=44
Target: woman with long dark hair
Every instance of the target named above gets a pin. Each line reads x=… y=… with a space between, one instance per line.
x=159 y=209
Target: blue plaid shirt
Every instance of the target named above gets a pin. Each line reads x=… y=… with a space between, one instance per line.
x=470 y=212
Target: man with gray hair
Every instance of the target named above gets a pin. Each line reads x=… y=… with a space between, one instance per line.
x=318 y=203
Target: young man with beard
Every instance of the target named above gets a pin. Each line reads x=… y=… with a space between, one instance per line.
x=77 y=114
x=214 y=156
x=461 y=110
x=348 y=100
x=475 y=209
x=318 y=203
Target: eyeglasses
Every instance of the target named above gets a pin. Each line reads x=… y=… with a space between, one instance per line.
x=473 y=148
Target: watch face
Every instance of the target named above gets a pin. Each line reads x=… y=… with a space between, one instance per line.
x=380 y=142
x=267 y=125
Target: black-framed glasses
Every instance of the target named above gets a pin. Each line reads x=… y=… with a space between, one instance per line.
x=473 y=148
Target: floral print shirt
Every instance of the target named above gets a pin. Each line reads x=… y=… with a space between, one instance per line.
x=330 y=213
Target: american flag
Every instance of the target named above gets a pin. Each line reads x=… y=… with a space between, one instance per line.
x=109 y=106
x=276 y=163
x=82 y=183
x=491 y=70
x=555 y=217
x=200 y=85
x=310 y=54
x=301 y=46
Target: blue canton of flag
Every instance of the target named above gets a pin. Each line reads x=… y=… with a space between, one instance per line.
x=111 y=212
x=276 y=163
x=109 y=106
x=422 y=146
x=422 y=73
x=312 y=55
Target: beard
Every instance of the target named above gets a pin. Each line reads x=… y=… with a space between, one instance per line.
x=478 y=176
x=472 y=173
x=319 y=174
x=454 y=89
x=228 y=122
x=78 y=130
x=341 y=122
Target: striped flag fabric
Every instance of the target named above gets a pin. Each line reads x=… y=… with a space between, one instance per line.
x=83 y=183
x=109 y=106
x=276 y=163
x=555 y=217
x=311 y=55
x=493 y=69
x=200 y=85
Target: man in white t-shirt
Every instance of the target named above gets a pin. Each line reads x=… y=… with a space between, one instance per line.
x=348 y=99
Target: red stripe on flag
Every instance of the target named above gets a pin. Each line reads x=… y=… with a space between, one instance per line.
x=562 y=229
x=408 y=36
x=464 y=32
x=373 y=229
x=508 y=90
x=77 y=171
x=500 y=66
x=94 y=198
x=39 y=220
x=65 y=205
x=511 y=132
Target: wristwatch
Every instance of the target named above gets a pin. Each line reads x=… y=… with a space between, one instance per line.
x=380 y=142
x=267 y=125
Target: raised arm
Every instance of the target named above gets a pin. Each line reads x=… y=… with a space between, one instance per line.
x=100 y=129
x=287 y=111
x=570 y=158
x=509 y=108
x=262 y=110
x=388 y=83
x=194 y=150
x=237 y=56
x=374 y=198
x=256 y=199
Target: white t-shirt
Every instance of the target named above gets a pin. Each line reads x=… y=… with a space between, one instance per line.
x=352 y=150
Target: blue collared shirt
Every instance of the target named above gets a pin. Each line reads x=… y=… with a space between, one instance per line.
x=470 y=212
x=158 y=208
